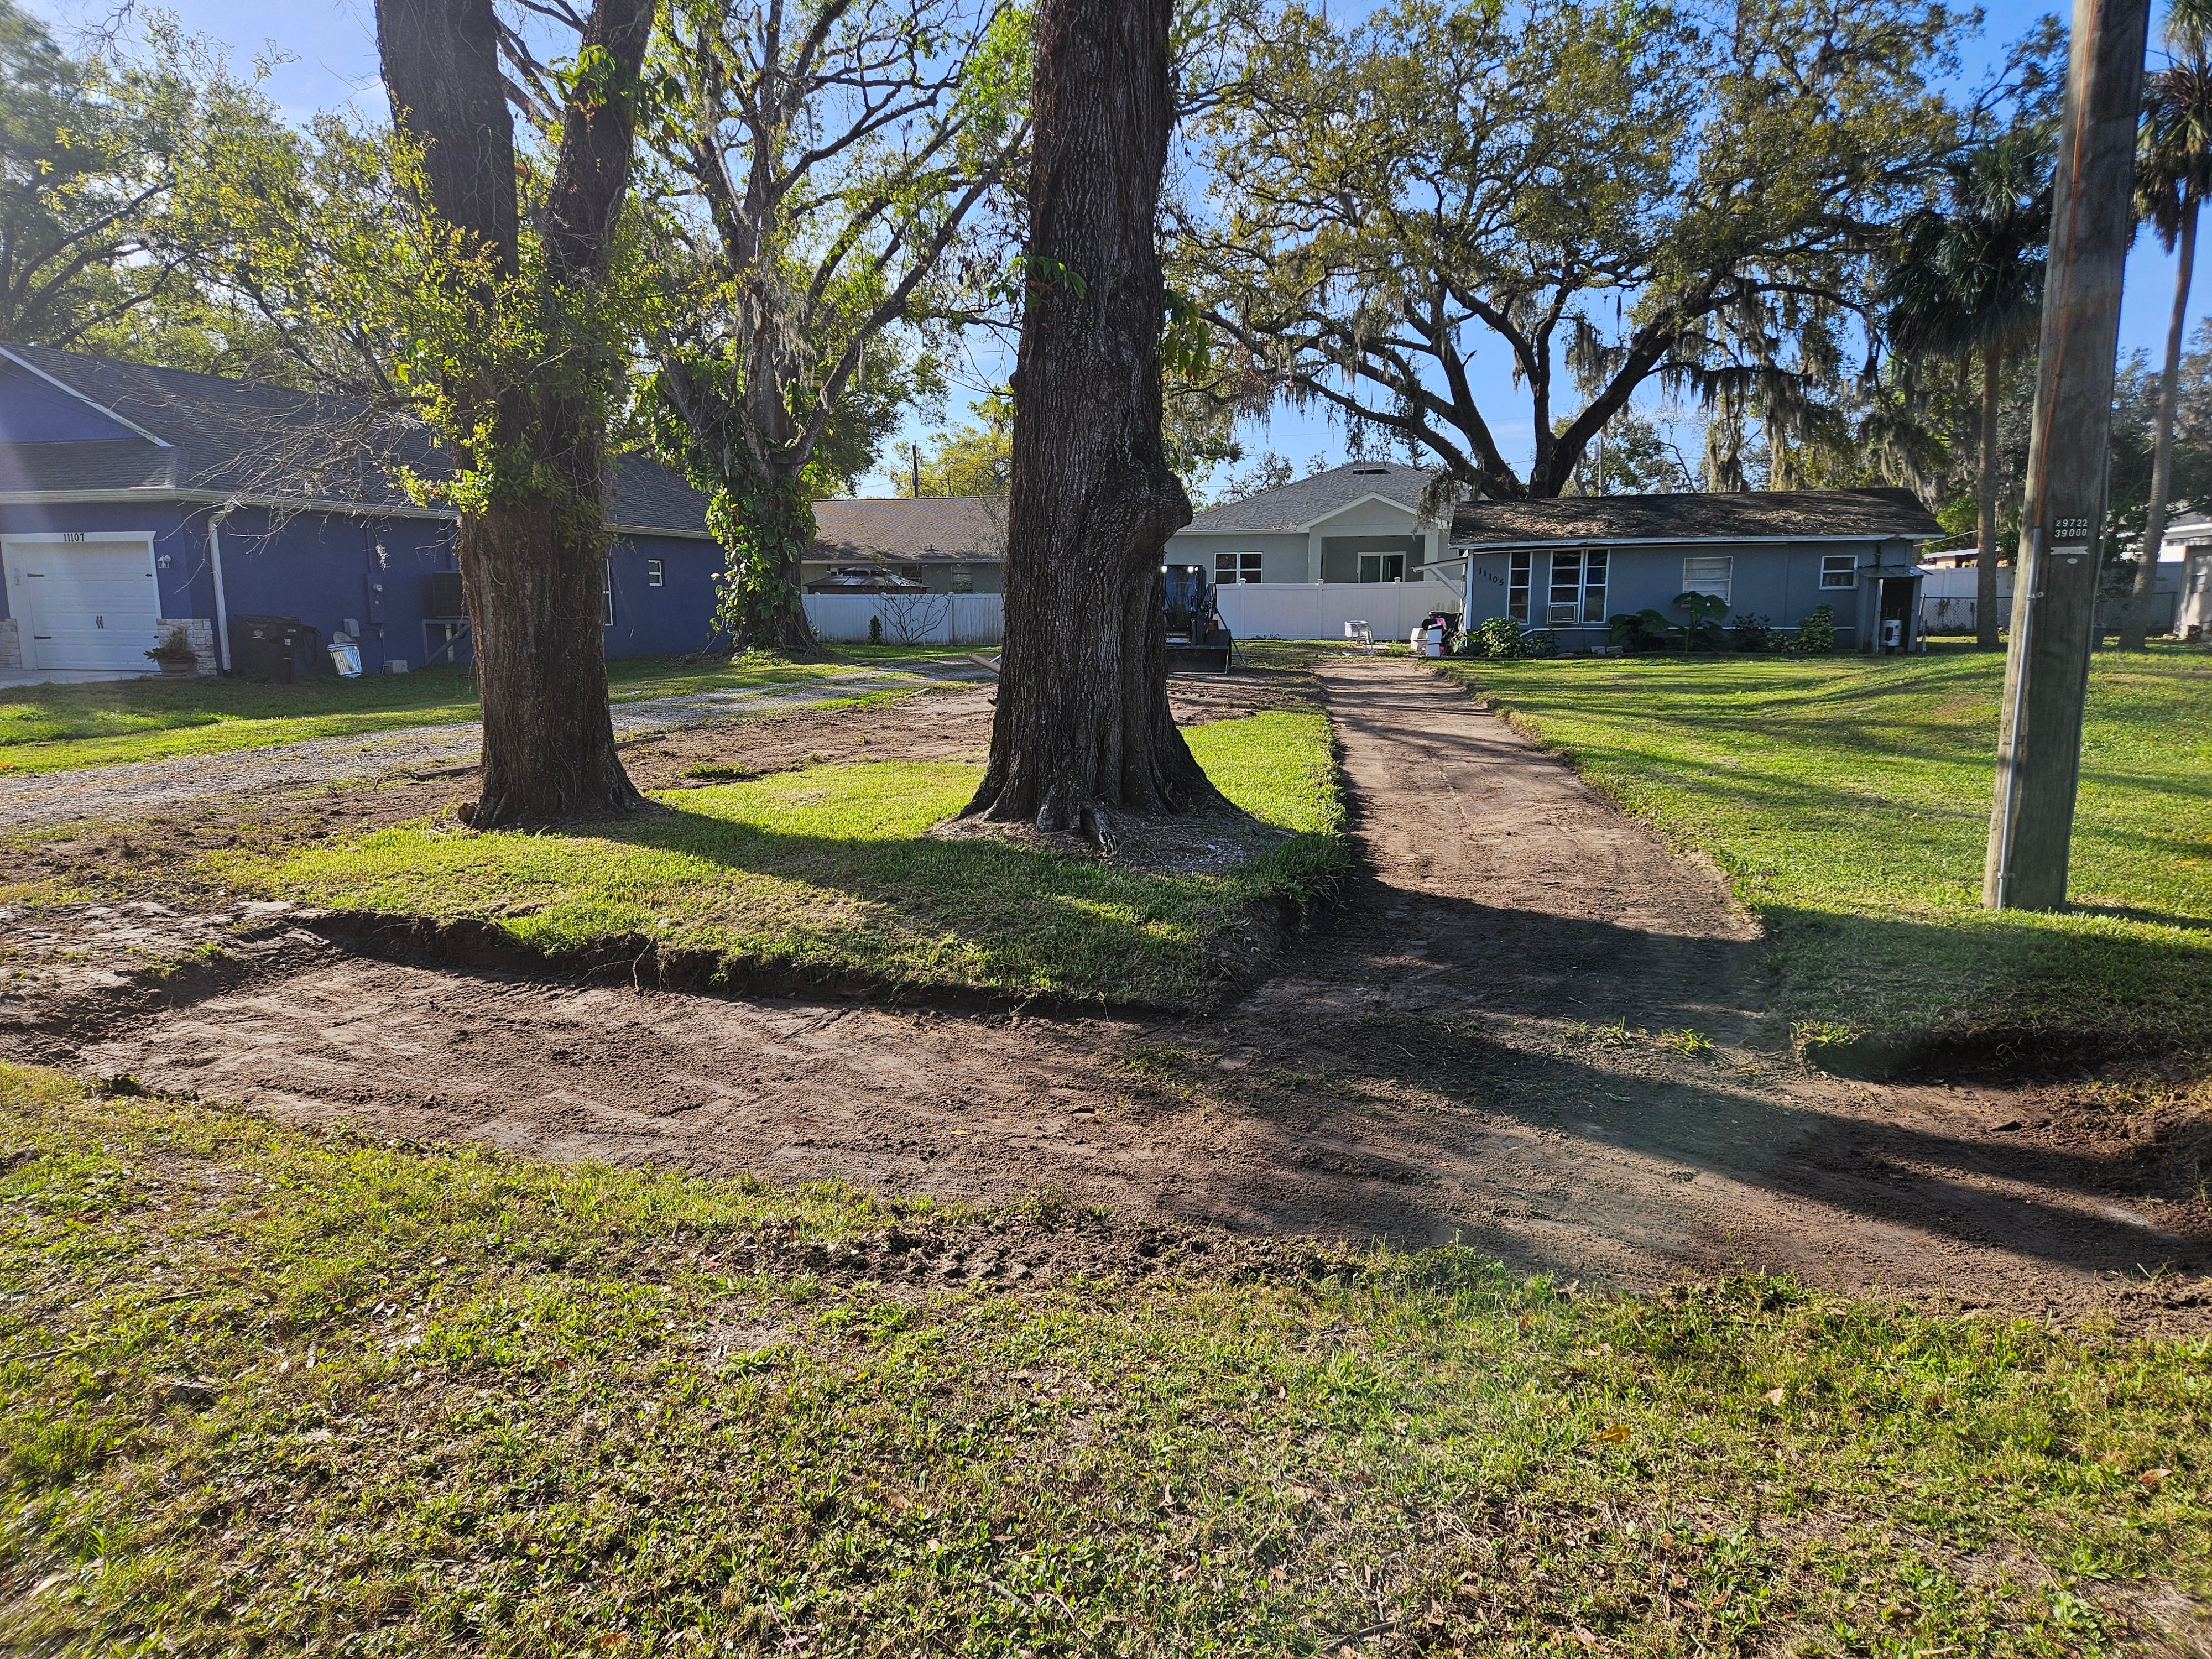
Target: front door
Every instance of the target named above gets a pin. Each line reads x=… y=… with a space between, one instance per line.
x=86 y=604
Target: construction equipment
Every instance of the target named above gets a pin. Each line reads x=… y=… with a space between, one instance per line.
x=1197 y=638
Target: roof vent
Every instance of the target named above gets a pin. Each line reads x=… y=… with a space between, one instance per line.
x=1371 y=471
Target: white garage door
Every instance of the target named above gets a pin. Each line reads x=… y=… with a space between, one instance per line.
x=91 y=604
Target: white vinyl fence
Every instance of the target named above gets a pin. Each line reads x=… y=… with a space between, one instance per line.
x=1253 y=611
x=1947 y=601
x=908 y=618
x=1319 y=611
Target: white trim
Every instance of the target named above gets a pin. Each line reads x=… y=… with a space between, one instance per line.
x=86 y=398
x=72 y=539
x=167 y=497
x=1312 y=524
x=1195 y=528
x=1464 y=549
x=708 y=536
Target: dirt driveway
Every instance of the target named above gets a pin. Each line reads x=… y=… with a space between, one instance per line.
x=1526 y=1026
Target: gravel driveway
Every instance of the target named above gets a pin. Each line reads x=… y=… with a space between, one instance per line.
x=139 y=787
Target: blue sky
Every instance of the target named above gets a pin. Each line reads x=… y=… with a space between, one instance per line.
x=329 y=52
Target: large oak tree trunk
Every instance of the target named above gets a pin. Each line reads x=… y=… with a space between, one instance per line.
x=1083 y=730
x=533 y=561
x=1985 y=504
x=2135 y=624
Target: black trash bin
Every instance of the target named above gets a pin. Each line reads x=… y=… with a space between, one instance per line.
x=268 y=647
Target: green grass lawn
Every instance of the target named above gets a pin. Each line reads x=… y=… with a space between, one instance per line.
x=262 y=1392
x=46 y=728
x=830 y=868
x=1848 y=800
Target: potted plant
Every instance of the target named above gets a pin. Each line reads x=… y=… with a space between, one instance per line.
x=174 y=655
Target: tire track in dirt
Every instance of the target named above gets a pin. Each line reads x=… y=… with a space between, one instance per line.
x=1466 y=1047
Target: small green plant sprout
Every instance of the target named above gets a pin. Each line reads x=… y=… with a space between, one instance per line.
x=1755 y=632
x=1705 y=612
x=1639 y=630
x=1694 y=1043
x=175 y=650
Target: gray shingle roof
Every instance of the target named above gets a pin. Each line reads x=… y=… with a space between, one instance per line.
x=265 y=442
x=932 y=529
x=1295 y=505
x=1757 y=515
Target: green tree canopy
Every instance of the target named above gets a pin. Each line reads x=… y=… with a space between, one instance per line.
x=99 y=158
x=819 y=170
x=1605 y=194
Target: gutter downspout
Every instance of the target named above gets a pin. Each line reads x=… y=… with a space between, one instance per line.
x=222 y=599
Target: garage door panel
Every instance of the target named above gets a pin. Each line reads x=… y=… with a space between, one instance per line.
x=84 y=605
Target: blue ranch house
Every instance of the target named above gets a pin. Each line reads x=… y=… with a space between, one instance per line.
x=137 y=503
x=1571 y=563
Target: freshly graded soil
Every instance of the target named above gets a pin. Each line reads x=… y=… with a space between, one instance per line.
x=1525 y=1026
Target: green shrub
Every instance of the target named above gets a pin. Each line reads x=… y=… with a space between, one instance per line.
x=1639 y=630
x=1501 y=637
x=1755 y=632
x=875 y=630
x=1816 y=634
x=1702 y=631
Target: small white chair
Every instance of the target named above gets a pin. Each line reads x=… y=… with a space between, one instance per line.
x=1359 y=634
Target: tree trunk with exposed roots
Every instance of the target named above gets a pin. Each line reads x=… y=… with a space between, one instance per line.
x=533 y=560
x=1083 y=730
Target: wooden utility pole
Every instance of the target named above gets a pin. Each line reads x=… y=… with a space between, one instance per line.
x=2054 y=601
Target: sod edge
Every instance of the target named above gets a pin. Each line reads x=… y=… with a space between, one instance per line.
x=830 y=880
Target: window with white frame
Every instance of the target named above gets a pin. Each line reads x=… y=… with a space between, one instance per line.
x=655 y=574
x=1517 y=588
x=1716 y=576
x=1594 y=566
x=1229 y=567
x=1382 y=567
x=1840 y=570
x=607 y=593
x=1566 y=602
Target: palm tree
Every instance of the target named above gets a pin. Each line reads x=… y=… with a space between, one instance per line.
x=2174 y=174
x=1966 y=282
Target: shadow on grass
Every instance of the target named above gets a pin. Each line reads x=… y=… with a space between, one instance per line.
x=2013 y=994
x=2054 y=1205
x=907 y=914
